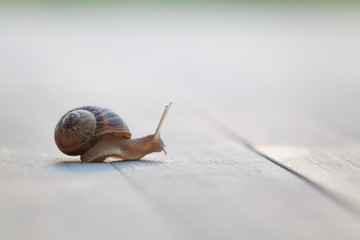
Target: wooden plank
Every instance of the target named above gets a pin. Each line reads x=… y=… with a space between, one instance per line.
x=207 y=187
x=47 y=198
x=225 y=190
x=335 y=167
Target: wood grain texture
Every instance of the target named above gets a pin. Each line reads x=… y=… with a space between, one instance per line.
x=224 y=190
x=335 y=167
x=47 y=198
x=235 y=196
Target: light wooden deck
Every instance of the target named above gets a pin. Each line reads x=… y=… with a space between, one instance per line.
x=262 y=139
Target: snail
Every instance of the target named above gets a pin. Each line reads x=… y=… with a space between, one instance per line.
x=96 y=133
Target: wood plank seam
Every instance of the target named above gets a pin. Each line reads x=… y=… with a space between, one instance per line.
x=228 y=131
x=161 y=205
x=346 y=205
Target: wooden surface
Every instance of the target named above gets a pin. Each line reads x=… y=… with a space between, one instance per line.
x=262 y=139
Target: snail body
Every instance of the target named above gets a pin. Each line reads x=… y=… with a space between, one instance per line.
x=96 y=133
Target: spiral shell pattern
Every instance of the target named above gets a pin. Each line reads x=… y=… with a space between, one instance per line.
x=80 y=128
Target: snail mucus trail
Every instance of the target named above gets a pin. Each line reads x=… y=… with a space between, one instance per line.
x=96 y=133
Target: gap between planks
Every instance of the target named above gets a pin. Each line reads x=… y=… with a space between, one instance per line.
x=161 y=205
x=342 y=202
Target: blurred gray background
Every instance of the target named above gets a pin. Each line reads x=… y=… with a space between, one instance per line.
x=270 y=64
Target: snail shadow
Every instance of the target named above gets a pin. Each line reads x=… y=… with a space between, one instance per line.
x=81 y=167
x=137 y=164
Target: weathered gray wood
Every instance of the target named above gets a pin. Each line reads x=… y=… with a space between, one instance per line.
x=47 y=198
x=206 y=188
x=225 y=190
x=232 y=198
x=335 y=167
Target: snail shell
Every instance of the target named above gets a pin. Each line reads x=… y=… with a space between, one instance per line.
x=80 y=128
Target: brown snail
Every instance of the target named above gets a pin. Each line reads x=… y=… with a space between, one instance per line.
x=96 y=133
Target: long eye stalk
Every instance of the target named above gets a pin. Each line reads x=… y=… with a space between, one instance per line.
x=157 y=132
